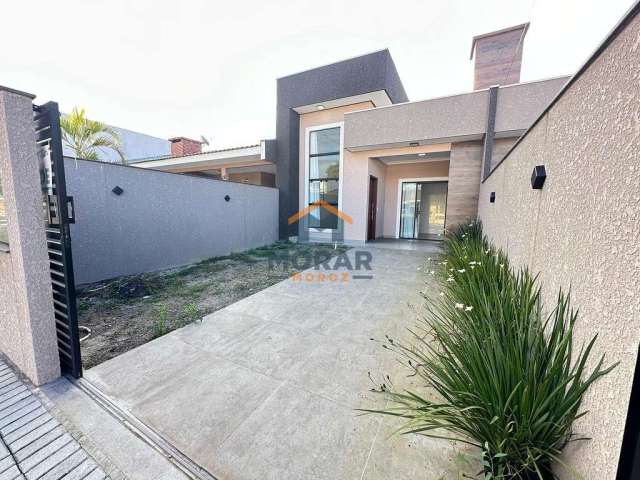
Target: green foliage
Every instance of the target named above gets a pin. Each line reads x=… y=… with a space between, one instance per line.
x=191 y=312
x=161 y=323
x=508 y=377
x=85 y=137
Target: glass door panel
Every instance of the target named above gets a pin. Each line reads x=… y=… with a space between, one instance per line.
x=422 y=210
x=431 y=211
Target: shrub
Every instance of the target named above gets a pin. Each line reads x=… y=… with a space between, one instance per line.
x=509 y=379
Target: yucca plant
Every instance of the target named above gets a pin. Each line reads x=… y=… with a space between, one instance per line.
x=86 y=137
x=508 y=378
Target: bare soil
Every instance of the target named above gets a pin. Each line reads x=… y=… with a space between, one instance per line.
x=126 y=312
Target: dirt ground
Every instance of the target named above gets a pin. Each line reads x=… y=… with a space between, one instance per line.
x=125 y=312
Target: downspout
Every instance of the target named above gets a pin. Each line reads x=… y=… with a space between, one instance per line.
x=487 y=150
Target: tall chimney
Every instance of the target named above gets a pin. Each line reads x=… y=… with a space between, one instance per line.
x=181 y=146
x=498 y=56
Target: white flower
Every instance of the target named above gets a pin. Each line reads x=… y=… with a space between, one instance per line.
x=478 y=263
x=451 y=269
x=487 y=251
x=472 y=267
x=471 y=224
x=468 y=308
x=459 y=306
x=432 y=272
x=450 y=279
x=502 y=265
x=429 y=259
x=442 y=294
x=472 y=263
x=462 y=270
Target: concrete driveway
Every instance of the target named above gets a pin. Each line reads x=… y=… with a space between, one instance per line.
x=266 y=388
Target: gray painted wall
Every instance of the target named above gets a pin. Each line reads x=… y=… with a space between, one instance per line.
x=161 y=220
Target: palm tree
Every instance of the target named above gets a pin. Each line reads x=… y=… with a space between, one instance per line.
x=85 y=137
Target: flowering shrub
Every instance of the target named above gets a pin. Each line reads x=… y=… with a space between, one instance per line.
x=509 y=379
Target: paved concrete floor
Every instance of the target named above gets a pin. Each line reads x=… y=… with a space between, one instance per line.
x=266 y=388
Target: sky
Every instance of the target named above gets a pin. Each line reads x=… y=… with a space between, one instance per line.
x=196 y=67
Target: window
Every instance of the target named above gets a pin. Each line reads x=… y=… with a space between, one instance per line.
x=324 y=175
x=4 y=237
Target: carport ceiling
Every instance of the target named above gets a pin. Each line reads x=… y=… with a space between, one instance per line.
x=415 y=158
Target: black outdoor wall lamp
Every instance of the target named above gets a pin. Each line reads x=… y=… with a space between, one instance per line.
x=227 y=198
x=538 y=176
x=492 y=197
x=117 y=190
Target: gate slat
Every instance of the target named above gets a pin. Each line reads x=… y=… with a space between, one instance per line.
x=49 y=142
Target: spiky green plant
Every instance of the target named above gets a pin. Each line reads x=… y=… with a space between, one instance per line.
x=508 y=377
x=85 y=137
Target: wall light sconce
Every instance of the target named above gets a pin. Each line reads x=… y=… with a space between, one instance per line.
x=492 y=197
x=117 y=190
x=320 y=107
x=538 y=176
x=414 y=144
x=227 y=198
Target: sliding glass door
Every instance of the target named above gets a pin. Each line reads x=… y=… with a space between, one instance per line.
x=422 y=210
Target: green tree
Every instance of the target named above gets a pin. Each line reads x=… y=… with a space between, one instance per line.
x=85 y=137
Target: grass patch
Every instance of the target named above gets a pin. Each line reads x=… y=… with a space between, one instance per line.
x=128 y=311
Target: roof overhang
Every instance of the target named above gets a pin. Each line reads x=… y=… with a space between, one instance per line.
x=408 y=158
x=379 y=98
x=241 y=156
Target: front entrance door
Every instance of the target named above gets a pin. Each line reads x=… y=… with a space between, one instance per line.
x=422 y=210
x=373 y=207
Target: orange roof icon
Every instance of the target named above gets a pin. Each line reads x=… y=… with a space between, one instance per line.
x=319 y=204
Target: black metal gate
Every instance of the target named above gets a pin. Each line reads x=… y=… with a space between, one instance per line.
x=59 y=208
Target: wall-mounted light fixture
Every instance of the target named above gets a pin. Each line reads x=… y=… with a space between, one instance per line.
x=538 y=176
x=320 y=107
x=414 y=144
x=227 y=198
x=492 y=197
x=117 y=190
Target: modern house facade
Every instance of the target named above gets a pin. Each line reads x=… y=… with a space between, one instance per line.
x=406 y=169
x=347 y=135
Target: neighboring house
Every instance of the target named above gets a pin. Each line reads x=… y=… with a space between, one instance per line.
x=134 y=145
x=253 y=164
x=346 y=134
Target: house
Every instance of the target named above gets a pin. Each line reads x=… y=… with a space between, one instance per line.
x=400 y=169
x=253 y=164
x=347 y=134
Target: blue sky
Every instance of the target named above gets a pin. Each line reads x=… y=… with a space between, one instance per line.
x=199 y=67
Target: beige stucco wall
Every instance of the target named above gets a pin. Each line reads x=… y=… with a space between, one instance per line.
x=394 y=174
x=583 y=229
x=27 y=330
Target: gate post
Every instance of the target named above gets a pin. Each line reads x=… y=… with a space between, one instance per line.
x=27 y=325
